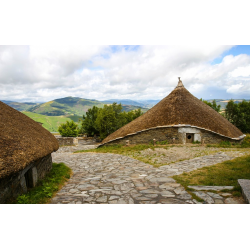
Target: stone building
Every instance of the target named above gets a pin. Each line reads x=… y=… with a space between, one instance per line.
x=178 y=118
x=25 y=152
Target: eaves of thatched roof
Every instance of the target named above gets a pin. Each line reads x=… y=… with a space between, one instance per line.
x=179 y=107
x=22 y=141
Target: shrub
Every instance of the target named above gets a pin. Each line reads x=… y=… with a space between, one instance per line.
x=196 y=142
x=68 y=129
x=225 y=144
x=246 y=142
x=162 y=142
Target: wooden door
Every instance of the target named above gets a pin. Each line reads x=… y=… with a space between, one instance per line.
x=189 y=138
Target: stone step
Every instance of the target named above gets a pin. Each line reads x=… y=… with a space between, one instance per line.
x=245 y=187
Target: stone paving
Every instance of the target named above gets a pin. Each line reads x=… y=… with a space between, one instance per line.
x=116 y=179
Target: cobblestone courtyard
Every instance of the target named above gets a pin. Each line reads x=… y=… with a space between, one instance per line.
x=117 y=179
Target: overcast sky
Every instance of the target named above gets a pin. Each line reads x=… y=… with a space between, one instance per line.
x=39 y=74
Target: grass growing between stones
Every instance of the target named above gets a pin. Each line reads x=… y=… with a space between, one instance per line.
x=47 y=187
x=160 y=155
x=133 y=151
x=222 y=174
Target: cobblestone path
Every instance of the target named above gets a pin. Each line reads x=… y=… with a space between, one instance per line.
x=117 y=179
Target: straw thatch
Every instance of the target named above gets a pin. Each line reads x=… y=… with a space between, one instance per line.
x=179 y=107
x=22 y=141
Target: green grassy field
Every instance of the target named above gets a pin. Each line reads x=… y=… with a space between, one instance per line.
x=51 y=123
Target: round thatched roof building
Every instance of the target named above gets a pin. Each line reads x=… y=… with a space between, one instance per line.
x=24 y=145
x=179 y=118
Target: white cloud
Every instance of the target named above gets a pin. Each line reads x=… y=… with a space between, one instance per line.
x=42 y=73
x=241 y=71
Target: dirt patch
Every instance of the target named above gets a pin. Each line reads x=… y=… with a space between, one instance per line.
x=166 y=155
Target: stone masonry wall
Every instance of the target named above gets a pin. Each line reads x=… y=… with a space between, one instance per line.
x=67 y=141
x=16 y=184
x=162 y=134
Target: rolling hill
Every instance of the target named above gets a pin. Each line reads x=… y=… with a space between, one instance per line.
x=20 y=106
x=69 y=106
x=141 y=103
x=58 y=111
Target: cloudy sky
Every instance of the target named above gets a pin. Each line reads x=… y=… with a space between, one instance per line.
x=44 y=73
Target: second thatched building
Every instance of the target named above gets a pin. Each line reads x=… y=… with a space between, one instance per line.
x=178 y=118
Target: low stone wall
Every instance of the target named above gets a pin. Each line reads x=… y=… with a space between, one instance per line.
x=67 y=141
x=16 y=184
x=173 y=135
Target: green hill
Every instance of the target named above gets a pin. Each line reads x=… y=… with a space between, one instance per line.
x=70 y=106
x=20 y=106
x=65 y=106
x=51 y=123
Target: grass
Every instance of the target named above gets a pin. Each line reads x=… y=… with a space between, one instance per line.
x=51 y=123
x=47 y=187
x=222 y=174
x=227 y=144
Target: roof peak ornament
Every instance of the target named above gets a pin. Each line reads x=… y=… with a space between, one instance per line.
x=180 y=84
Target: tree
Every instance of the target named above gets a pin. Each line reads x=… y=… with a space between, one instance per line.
x=109 y=119
x=213 y=105
x=88 y=122
x=239 y=115
x=106 y=120
x=68 y=129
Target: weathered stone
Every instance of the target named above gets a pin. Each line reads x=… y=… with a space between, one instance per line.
x=225 y=194
x=196 y=202
x=149 y=191
x=126 y=186
x=151 y=195
x=169 y=185
x=113 y=202
x=179 y=190
x=143 y=198
x=185 y=196
x=214 y=188
x=167 y=194
x=122 y=201
x=215 y=196
x=161 y=179
x=218 y=201
x=205 y=197
x=113 y=197
x=102 y=199
x=231 y=201
x=245 y=187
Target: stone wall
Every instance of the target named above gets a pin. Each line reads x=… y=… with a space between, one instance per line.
x=67 y=141
x=16 y=184
x=174 y=135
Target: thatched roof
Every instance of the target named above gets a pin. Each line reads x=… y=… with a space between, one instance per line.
x=179 y=107
x=22 y=141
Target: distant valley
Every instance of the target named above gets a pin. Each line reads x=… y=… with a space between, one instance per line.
x=58 y=111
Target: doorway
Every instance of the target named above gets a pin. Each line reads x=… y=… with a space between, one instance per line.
x=189 y=138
